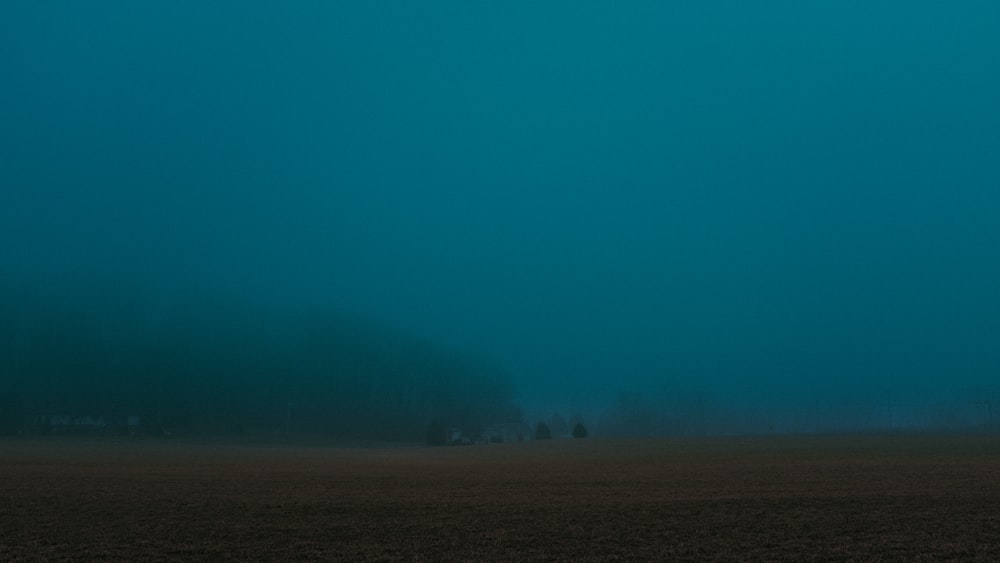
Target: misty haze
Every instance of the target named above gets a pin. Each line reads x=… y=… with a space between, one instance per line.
x=401 y=224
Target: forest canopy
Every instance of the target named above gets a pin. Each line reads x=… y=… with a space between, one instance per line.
x=197 y=363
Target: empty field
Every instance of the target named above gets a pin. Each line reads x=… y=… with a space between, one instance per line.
x=896 y=497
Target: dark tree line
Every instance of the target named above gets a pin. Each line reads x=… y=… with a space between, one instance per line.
x=196 y=364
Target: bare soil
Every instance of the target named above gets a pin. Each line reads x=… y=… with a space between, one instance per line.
x=899 y=498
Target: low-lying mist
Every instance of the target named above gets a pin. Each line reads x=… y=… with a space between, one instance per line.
x=112 y=358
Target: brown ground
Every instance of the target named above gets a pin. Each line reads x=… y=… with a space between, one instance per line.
x=868 y=498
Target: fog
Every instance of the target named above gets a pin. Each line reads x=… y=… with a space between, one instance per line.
x=751 y=217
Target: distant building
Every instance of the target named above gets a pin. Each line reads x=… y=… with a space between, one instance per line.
x=507 y=432
x=65 y=424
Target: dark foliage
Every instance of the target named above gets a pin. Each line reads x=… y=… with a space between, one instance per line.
x=542 y=432
x=436 y=433
x=95 y=360
x=579 y=431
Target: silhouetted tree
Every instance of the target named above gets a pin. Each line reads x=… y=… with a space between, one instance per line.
x=10 y=413
x=542 y=432
x=579 y=431
x=435 y=433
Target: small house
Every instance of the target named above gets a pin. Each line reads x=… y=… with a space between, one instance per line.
x=507 y=432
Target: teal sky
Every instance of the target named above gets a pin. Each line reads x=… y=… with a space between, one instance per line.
x=768 y=200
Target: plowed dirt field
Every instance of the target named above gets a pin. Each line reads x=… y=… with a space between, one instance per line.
x=898 y=498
